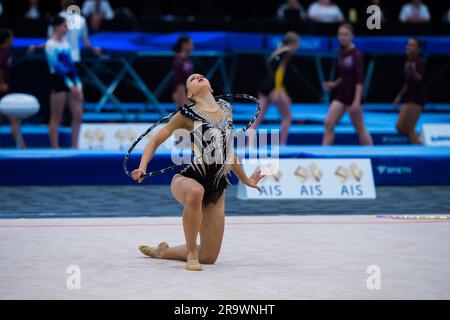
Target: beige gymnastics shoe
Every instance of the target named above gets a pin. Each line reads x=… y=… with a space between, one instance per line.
x=153 y=252
x=193 y=265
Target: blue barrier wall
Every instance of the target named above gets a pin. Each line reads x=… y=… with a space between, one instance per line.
x=235 y=41
x=397 y=165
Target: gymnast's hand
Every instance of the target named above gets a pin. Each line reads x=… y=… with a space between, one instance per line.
x=397 y=101
x=138 y=175
x=97 y=50
x=328 y=85
x=253 y=180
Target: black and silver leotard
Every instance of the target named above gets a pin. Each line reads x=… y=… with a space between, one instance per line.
x=212 y=140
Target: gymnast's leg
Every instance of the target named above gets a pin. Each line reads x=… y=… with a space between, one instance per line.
x=407 y=121
x=211 y=230
x=252 y=136
x=57 y=104
x=284 y=106
x=189 y=193
x=335 y=113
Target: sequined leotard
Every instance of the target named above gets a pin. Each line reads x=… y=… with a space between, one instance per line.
x=212 y=141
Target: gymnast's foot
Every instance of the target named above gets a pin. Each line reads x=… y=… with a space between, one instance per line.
x=192 y=263
x=154 y=252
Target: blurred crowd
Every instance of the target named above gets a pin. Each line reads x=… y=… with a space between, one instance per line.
x=320 y=11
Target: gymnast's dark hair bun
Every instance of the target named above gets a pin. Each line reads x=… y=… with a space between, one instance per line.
x=57 y=21
x=347 y=26
x=179 y=44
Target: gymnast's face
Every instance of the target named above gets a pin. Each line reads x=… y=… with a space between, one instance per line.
x=412 y=48
x=195 y=84
x=294 y=46
x=345 y=37
x=188 y=46
x=61 y=29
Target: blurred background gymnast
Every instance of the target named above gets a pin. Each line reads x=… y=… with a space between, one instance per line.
x=349 y=89
x=6 y=39
x=273 y=89
x=66 y=84
x=182 y=67
x=413 y=93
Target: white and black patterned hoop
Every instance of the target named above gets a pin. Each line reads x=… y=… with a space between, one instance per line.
x=170 y=115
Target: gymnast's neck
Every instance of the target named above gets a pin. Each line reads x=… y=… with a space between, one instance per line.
x=205 y=100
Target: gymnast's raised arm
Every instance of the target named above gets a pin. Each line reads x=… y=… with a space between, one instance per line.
x=177 y=122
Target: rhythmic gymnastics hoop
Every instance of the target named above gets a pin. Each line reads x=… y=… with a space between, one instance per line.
x=170 y=115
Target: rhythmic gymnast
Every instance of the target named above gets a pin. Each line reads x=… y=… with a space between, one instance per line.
x=182 y=67
x=6 y=38
x=413 y=93
x=272 y=89
x=349 y=87
x=200 y=186
x=66 y=84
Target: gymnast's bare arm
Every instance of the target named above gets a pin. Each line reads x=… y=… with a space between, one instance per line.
x=177 y=122
x=251 y=181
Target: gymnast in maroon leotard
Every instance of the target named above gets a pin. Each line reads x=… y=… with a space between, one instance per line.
x=6 y=38
x=348 y=86
x=182 y=67
x=413 y=93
